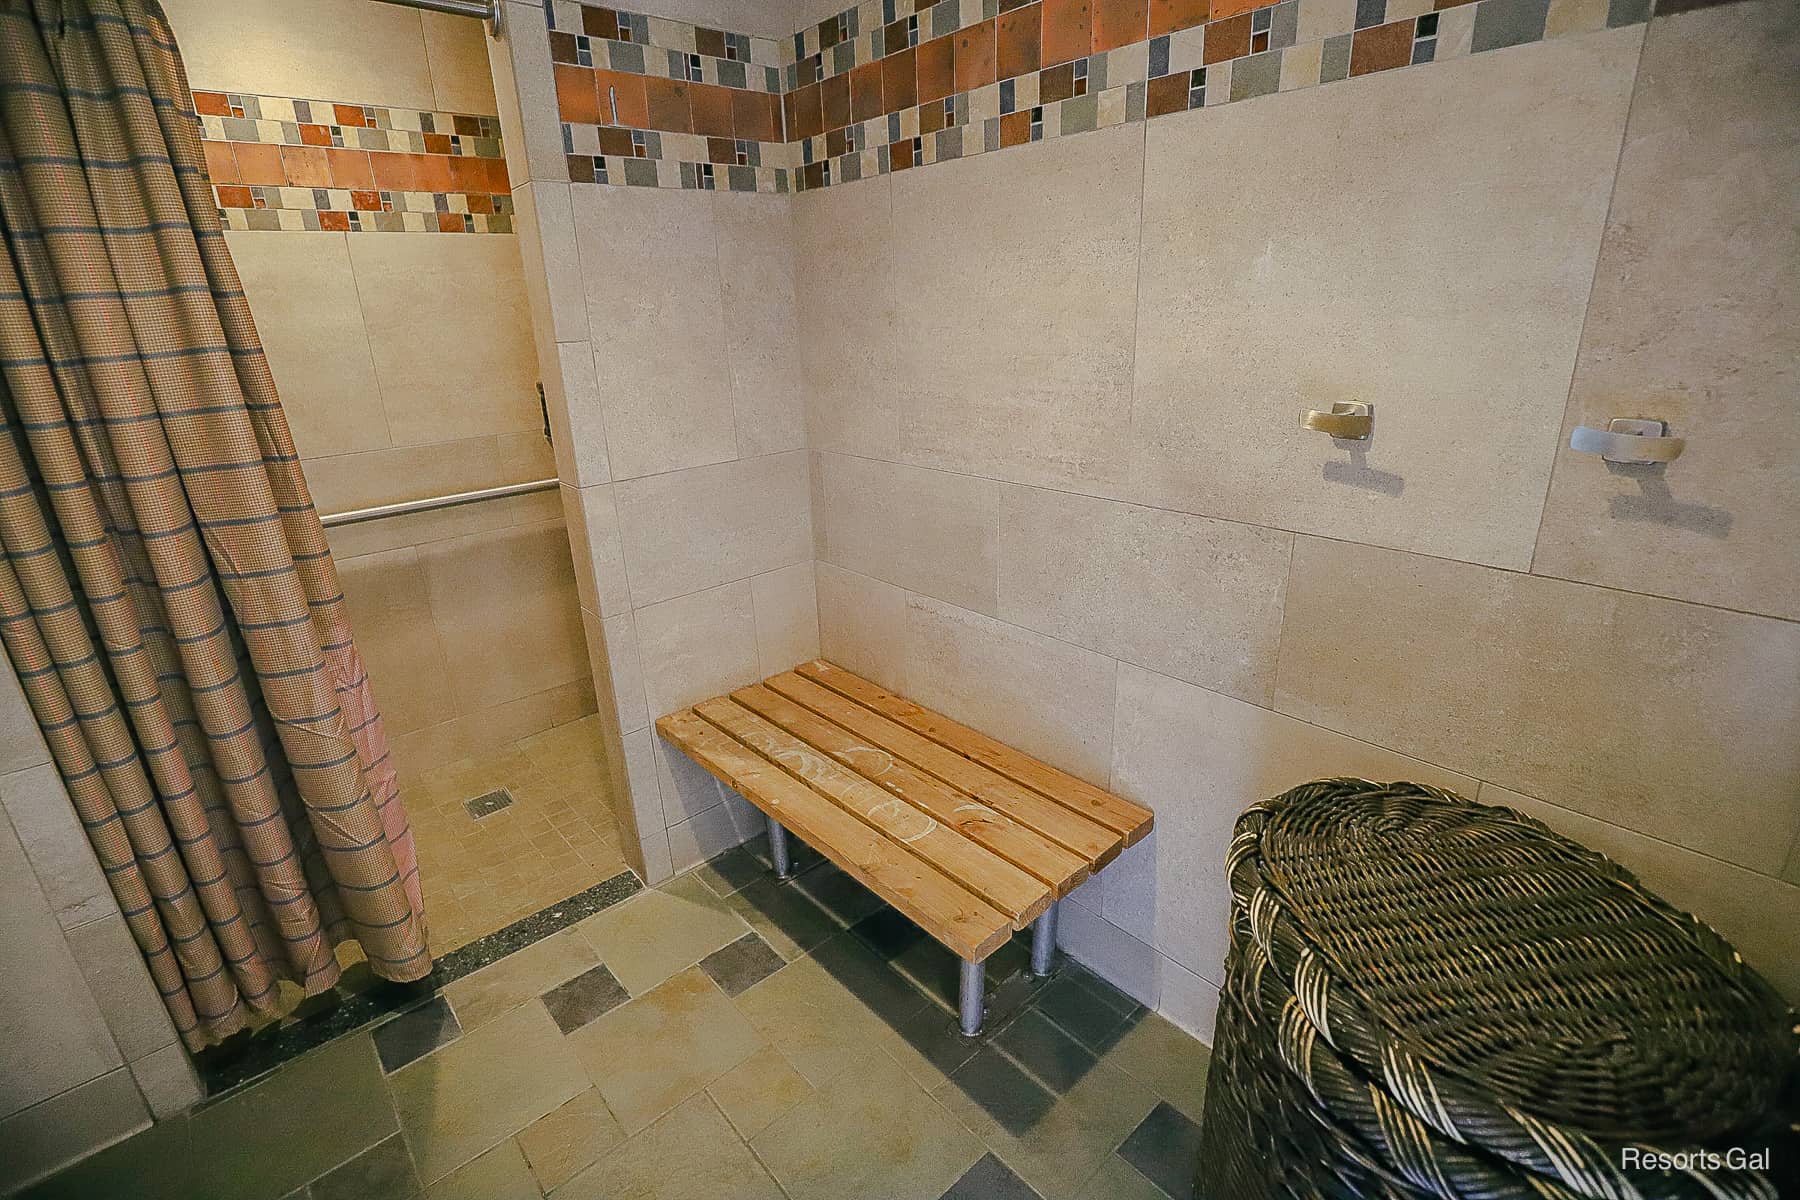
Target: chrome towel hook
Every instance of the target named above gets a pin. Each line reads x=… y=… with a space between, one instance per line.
x=1628 y=440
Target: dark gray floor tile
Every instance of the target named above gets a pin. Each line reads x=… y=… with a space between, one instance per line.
x=1057 y=1060
x=1089 y=1015
x=415 y=1034
x=593 y=993
x=990 y=1179
x=1004 y=1091
x=741 y=965
x=787 y=917
x=732 y=871
x=1165 y=1149
x=924 y=960
x=837 y=893
x=382 y=1172
x=886 y=992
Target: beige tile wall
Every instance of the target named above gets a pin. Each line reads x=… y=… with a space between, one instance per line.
x=91 y=1054
x=1186 y=597
x=1057 y=486
x=667 y=331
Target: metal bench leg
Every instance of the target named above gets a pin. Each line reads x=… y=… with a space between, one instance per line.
x=778 y=850
x=974 y=975
x=1043 y=940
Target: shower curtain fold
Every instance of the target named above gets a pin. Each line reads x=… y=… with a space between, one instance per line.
x=167 y=596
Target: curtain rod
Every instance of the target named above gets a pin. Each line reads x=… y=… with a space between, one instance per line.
x=487 y=10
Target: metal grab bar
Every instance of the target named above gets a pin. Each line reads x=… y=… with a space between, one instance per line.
x=487 y=10
x=432 y=503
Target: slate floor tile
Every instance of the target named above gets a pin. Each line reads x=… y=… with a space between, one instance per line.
x=990 y=1179
x=384 y=1169
x=1055 y=1059
x=786 y=917
x=758 y=1090
x=1119 y=1180
x=498 y=1174
x=416 y=1033
x=741 y=965
x=871 y=1131
x=690 y=1154
x=648 y=1056
x=483 y=1088
x=662 y=931
x=1090 y=1016
x=589 y=995
x=519 y=978
x=1165 y=1149
x=564 y=1143
x=1153 y=1050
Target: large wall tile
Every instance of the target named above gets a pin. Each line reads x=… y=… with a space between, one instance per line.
x=651 y=265
x=66 y=1127
x=1188 y=596
x=263 y=50
x=696 y=528
x=1344 y=265
x=456 y=52
x=697 y=646
x=21 y=742
x=506 y=601
x=1020 y=287
x=756 y=270
x=546 y=219
x=930 y=531
x=120 y=983
x=525 y=88
x=53 y=1031
x=599 y=554
x=1046 y=697
x=1755 y=913
x=1670 y=719
x=389 y=598
x=626 y=671
x=302 y=293
x=850 y=354
x=787 y=617
x=862 y=625
x=577 y=420
x=1197 y=760
x=56 y=844
x=450 y=331
x=1696 y=320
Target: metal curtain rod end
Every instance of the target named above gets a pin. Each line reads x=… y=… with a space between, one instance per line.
x=1349 y=419
x=1630 y=440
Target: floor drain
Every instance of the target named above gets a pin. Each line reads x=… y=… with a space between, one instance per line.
x=488 y=803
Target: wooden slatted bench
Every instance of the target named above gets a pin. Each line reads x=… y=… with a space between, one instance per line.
x=968 y=837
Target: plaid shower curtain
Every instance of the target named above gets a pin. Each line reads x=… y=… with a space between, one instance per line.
x=167 y=596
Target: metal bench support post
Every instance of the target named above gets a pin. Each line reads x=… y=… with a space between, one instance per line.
x=778 y=850
x=1043 y=940
x=973 y=975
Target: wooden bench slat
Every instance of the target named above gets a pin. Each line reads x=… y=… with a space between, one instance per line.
x=960 y=920
x=940 y=843
x=1115 y=812
x=1048 y=862
x=1098 y=844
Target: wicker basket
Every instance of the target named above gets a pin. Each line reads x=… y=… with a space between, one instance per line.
x=1427 y=997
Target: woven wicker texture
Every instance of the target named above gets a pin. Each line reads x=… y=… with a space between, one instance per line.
x=1429 y=997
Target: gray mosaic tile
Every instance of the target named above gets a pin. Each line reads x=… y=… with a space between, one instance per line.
x=1135 y=94
x=1370 y=13
x=1334 y=59
x=1626 y=12
x=731 y=74
x=741 y=965
x=1165 y=1149
x=591 y=994
x=1502 y=23
x=990 y=1179
x=625 y=56
x=640 y=172
x=741 y=179
x=1257 y=75
x=949 y=144
x=416 y=1033
x=1080 y=114
x=1284 y=27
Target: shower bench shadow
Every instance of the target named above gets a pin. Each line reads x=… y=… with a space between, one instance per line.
x=964 y=835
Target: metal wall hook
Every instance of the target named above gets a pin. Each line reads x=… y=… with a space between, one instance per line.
x=1351 y=420
x=1628 y=440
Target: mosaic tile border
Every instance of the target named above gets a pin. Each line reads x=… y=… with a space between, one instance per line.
x=320 y=1019
x=282 y=163
x=893 y=84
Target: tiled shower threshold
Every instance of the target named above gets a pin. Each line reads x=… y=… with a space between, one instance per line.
x=333 y=1014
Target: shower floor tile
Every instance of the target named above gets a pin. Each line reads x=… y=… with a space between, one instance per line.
x=837 y=1074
